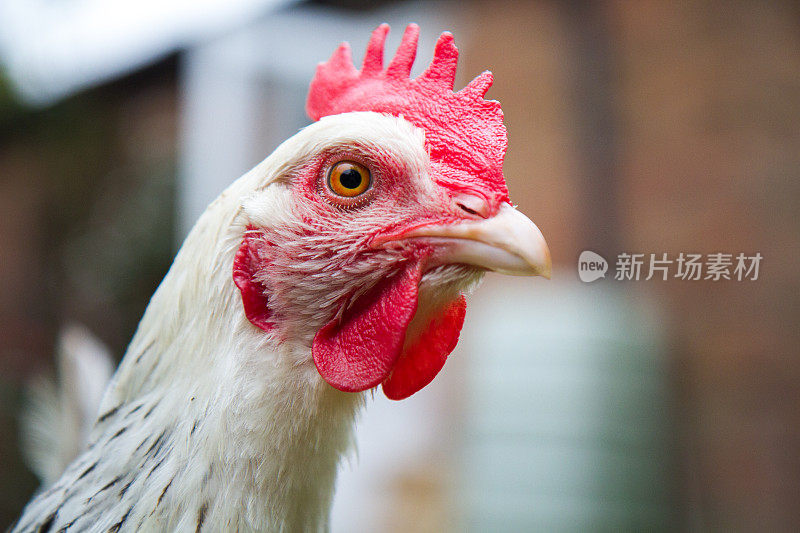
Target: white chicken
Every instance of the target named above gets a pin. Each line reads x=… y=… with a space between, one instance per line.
x=336 y=265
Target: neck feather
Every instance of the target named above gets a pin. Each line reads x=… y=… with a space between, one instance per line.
x=241 y=414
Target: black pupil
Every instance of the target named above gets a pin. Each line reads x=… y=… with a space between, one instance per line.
x=350 y=178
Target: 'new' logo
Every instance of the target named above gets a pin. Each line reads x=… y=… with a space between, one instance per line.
x=591 y=266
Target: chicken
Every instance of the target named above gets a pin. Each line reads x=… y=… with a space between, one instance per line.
x=336 y=265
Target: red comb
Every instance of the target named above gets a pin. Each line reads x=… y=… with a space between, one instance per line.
x=464 y=133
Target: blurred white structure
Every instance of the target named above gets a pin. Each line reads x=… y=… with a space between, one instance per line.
x=54 y=48
x=566 y=419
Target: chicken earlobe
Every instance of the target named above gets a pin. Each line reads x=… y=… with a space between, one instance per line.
x=254 y=298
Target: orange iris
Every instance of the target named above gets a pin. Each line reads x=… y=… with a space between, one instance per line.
x=348 y=178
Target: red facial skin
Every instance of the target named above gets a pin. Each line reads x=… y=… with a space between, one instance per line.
x=464 y=133
x=254 y=295
x=364 y=343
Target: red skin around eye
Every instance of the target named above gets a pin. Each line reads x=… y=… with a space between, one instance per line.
x=464 y=133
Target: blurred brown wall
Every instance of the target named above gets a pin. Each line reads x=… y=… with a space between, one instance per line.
x=87 y=204
x=709 y=106
x=701 y=153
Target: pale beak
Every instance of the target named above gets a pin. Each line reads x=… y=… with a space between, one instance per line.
x=508 y=243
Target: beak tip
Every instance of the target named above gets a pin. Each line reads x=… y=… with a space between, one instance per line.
x=546 y=269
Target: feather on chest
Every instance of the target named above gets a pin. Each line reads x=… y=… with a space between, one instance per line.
x=192 y=457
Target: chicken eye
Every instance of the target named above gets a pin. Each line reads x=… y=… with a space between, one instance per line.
x=348 y=178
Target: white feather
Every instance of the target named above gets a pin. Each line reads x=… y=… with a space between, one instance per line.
x=210 y=420
x=59 y=414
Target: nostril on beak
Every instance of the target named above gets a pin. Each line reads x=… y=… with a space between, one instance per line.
x=467 y=209
x=475 y=206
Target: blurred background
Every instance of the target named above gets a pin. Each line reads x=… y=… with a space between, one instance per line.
x=647 y=127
